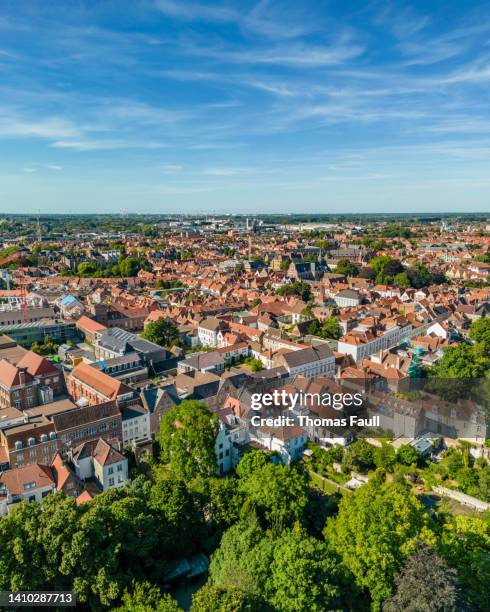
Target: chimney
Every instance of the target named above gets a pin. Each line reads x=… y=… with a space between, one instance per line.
x=22 y=375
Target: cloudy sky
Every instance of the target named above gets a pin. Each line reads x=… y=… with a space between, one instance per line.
x=270 y=106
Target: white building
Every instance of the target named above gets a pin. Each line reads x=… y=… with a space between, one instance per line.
x=102 y=462
x=135 y=424
x=210 y=332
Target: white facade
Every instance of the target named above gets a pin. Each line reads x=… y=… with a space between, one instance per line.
x=136 y=429
x=111 y=476
x=390 y=338
x=223 y=450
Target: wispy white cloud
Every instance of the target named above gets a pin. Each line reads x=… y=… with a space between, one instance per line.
x=172 y=168
x=104 y=145
x=194 y=11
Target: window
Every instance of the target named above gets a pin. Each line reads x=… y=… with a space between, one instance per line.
x=31 y=442
x=29 y=485
x=110 y=470
x=119 y=467
x=104 y=427
x=115 y=423
x=111 y=482
x=18 y=445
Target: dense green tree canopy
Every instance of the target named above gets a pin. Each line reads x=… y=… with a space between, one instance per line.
x=346 y=267
x=187 y=437
x=162 y=332
x=375 y=530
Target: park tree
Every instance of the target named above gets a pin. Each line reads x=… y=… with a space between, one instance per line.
x=289 y=571
x=87 y=268
x=374 y=531
x=242 y=561
x=187 y=437
x=426 y=583
x=407 y=455
x=359 y=455
x=465 y=544
x=210 y=598
x=252 y=461
x=306 y=575
x=163 y=332
x=480 y=332
x=384 y=456
x=144 y=597
x=276 y=493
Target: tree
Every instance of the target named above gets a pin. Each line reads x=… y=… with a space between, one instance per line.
x=384 y=456
x=346 y=267
x=401 y=280
x=277 y=494
x=306 y=575
x=255 y=364
x=187 y=437
x=87 y=268
x=129 y=266
x=143 y=597
x=252 y=461
x=465 y=544
x=331 y=329
x=162 y=332
x=290 y=571
x=210 y=598
x=359 y=455
x=375 y=530
x=242 y=561
x=425 y=584
x=303 y=290
x=379 y=262
x=407 y=455
x=480 y=332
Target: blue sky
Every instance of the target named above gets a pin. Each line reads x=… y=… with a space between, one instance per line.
x=312 y=106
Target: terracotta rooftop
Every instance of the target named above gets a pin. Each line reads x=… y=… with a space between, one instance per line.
x=100 y=382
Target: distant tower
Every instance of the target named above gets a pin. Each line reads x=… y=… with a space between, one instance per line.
x=39 y=230
x=250 y=248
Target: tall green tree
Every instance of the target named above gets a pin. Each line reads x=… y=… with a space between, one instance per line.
x=187 y=438
x=278 y=494
x=465 y=543
x=210 y=598
x=144 y=597
x=162 y=332
x=375 y=530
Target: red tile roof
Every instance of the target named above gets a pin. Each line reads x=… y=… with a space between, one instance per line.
x=100 y=382
x=37 y=365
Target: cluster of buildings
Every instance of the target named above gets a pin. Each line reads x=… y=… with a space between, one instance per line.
x=66 y=417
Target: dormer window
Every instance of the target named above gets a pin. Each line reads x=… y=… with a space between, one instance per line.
x=44 y=437
x=31 y=442
x=18 y=445
x=52 y=435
